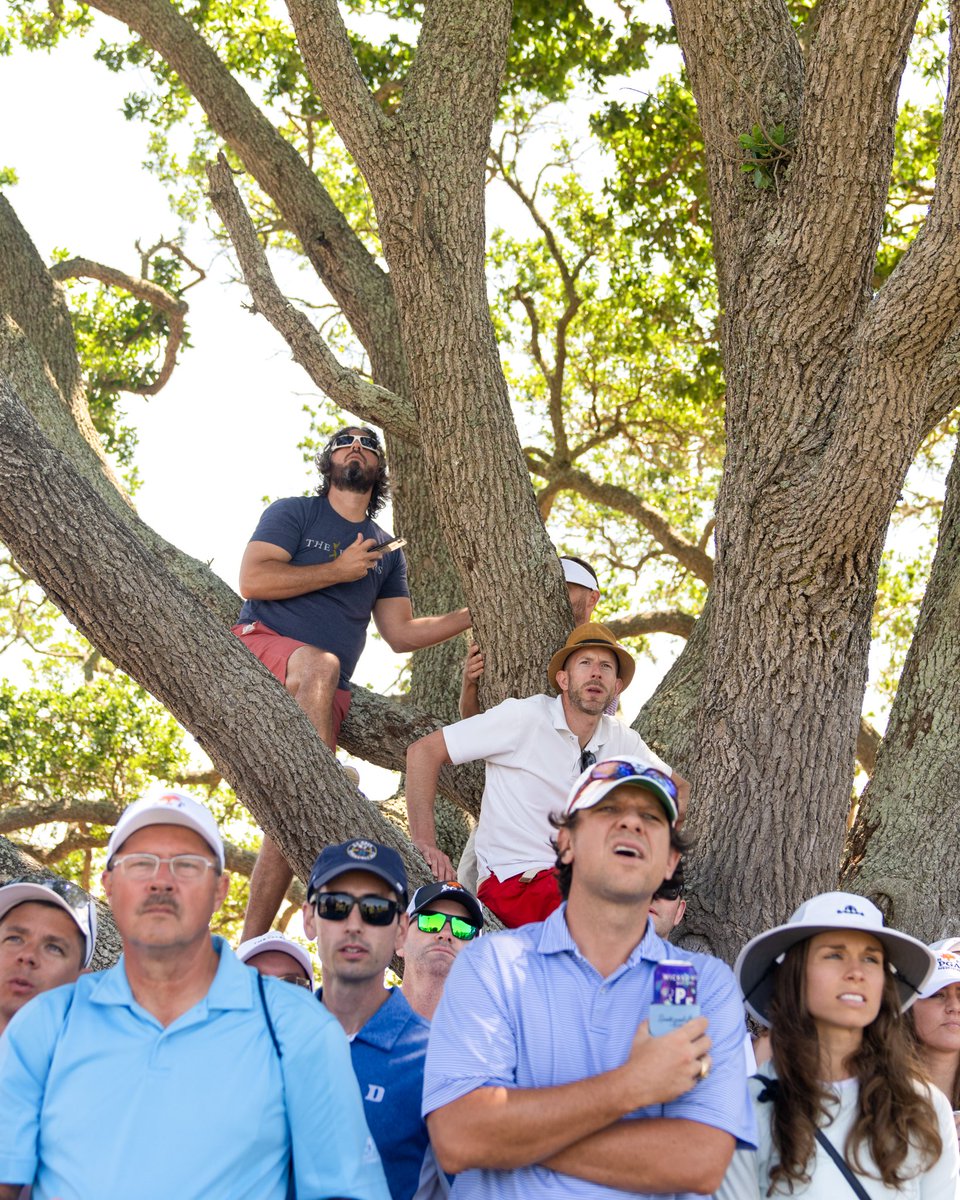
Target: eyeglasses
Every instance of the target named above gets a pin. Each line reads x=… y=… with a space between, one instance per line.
x=185 y=868
x=337 y=906
x=587 y=759
x=435 y=921
x=668 y=890
x=366 y=440
x=296 y=980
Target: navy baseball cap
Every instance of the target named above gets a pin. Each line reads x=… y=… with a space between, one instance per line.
x=359 y=854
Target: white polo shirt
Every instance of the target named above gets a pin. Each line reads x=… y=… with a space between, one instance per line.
x=532 y=761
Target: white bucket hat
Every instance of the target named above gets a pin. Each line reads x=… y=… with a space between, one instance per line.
x=947 y=970
x=911 y=962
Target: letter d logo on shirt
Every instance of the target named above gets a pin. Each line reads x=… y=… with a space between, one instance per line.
x=374 y=1093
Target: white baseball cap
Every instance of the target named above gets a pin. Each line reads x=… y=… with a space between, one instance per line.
x=167 y=808
x=272 y=940
x=947 y=970
x=911 y=962
x=51 y=889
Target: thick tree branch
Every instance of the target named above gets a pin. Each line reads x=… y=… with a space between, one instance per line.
x=144 y=289
x=373 y=403
x=336 y=78
x=680 y=624
x=844 y=146
x=745 y=68
x=344 y=264
x=687 y=553
x=453 y=87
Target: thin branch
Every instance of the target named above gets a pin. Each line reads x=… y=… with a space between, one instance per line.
x=674 y=621
x=868 y=743
x=346 y=387
x=336 y=78
x=144 y=289
x=687 y=553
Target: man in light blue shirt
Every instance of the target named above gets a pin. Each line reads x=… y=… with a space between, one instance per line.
x=542 y=1077
x=180 y=1071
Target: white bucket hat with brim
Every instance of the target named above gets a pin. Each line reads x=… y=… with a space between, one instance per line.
x=947 y=970
x=909 y=959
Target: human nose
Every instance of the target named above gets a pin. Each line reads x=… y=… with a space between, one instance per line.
x=164 y=878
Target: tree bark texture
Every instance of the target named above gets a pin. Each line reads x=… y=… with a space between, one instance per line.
x=146 y=621
x=425 y=167
x=825 y=408
x=911 y=801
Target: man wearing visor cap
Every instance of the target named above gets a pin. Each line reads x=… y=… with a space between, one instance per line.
x=315 y=570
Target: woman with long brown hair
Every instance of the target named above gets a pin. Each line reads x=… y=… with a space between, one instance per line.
x=841 y=1108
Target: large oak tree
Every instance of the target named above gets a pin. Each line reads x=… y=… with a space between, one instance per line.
x=831 y=387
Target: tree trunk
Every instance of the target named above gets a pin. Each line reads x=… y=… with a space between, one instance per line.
x=911 y=799
x=144 y=619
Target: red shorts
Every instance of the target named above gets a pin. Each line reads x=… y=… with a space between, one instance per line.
x=518 y=903
x=274 y=650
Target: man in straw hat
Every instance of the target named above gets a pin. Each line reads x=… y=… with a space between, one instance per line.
x=533 y=749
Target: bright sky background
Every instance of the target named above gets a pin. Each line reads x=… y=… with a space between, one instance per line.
x=223 y=434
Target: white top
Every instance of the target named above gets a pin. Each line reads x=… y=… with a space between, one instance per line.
x=532 y=761
x=749 y=1173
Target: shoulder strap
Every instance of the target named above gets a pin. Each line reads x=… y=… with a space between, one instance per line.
x=842 y=1167
x=770 y=1089
x=269 y=1020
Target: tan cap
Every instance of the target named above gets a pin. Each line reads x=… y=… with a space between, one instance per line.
x=592 y=634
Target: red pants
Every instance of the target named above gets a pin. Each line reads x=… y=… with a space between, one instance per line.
x=517 y=902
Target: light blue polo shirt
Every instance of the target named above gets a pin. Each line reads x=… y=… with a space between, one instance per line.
x=100 y=1101
x=525 y=1009
x=388 y=1056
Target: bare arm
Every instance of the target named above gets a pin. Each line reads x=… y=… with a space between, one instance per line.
x=683 y=794
x=424 y=760
x=650 y=1155
x=266 y=572
x=402 y=631
x=469 y=704
x=514 y=1127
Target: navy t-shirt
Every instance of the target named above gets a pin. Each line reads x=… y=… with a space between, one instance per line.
x=334 y=618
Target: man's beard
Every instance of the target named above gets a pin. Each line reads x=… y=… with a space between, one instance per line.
x=353 y=476
x=591 y=706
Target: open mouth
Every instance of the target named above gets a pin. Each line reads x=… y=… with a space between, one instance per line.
x=627 y=851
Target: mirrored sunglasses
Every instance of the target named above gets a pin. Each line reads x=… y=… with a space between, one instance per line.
x=71 y=893
x=433 y=922
x=337 y=906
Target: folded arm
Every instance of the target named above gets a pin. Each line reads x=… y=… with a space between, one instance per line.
x=515 y=1127
x=650 y=1155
